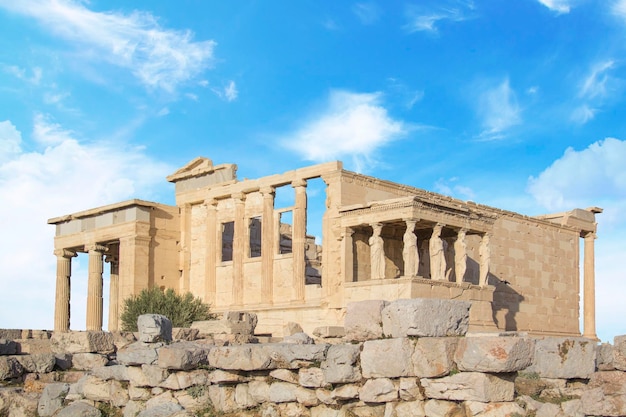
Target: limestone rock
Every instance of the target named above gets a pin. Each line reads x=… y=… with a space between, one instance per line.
x=138 y=353
x=327 y=332
x=387 y=358
x=299 y=339
x=219 y=376
x=52 y=399
x=39 y=362
x=183 y=356
x=282 y=392
x=339 y=366
x=116 y=372
x=184 y=334
x=619 y=352
x=243 y=397
x=292 y=356
x=259 y=391
x=10 y=334
x=291 y=328
x=495 y=409
x=561 y=357
x=184 y=380
x=133 y=408
x=325 y=411
x=345 y=392
x=605 y=395
x=122 y=339
x=429 y=317
x=378 y=390
x=63 y=361
x=410 y=389
x=82 y=342
x=154 y=328
x=147 y=376
x=285 y=375
x=161 y=410
x=232 y=322
x=243 y=357
x=406 y=409
x=88 y=361
x=469 y=386
x=32 y=346
x=443 y=408
x=311 y=377
x=604 y=357
x=494 y=354
x=10 y=368
x=306 y=397
x=293 y=410
x=79 y=409
x=433 y=356
x=8 y=347
x=364 y=320
x=223 y=398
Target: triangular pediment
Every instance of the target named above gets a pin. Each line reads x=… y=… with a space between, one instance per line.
x=197 y=167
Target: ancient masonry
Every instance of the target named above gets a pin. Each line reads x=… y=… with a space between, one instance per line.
x=392 y=359
x=235 y=245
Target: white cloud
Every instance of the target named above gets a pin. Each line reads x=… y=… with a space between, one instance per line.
x=421 y=19
x=158 y=57
x=595 y=84
x=63 y=176
x=21 y=73
x=367 y=13
x=583 y=113
x=351 y=125
x=559 y=6
x=593 y=176
x=619 y=9
x=10 y=141
x=228 y=92
x=499 y=111
x=452 y=188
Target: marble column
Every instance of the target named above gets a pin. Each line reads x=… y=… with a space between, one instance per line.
x=437 y=255
x=212 y=251
x=185 y=245
x=377 y=252
x=410 y=254
x=94 y=287
x=484 y=254
x=589 y=288
x=267 y=246
x=348 y=254
x=299 y=238
x=239 y=246
x=62 y=301
x=460 y=256
x=114 y=292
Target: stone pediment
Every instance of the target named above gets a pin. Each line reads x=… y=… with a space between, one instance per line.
x=196 y=168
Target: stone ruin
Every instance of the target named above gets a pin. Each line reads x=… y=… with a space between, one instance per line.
x=398 y=358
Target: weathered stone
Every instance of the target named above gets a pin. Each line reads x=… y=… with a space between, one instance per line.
x=572 y=408
x=299 y=339
x=494 y=409
x=339 y=366
x=154 y=328
x=183 y=356
x=494 y=354
x=325 y=396
x=293 y=410
x=63 y=361
x=282 y=392
x=245 y=357
x=368 y=410
x=116 y=372
x=138 y=353
x=15 y=402
x=219 y=376
x=306 y=397
x=32 y=346
x=378 y=390
x=285 y=375
x=345 y=392
x=619 y=352
x=443 y=408
x=159 y=398
x=269 y=410
x=10 y=334
x=87 y=361
x=161 y=410
x=39 y=362
x=405 y=409
x=95 y=389
x=327 y=332
x=79 y=409
x=52 y=399
x=139 y=394
x=243 y=397
x=430 y=317
x=193 y=399
x=10 y=368
x=184 y=334
x=184 y=380
x=567 y=358
x=364 y=320
x=223 y=398
x=325 y=411
x=604 y=357
x=291 y=328
x=605 y=394
x=147 y=375
x=259 y=391
x=122 y=339
x=232 y=322
x=433 y=356
x=311 y=377
x=387 y=358
x=292 y=356
x=82 y=342
x=410 y=389
x=133 y=408
x=8 y=347
x=469 y=386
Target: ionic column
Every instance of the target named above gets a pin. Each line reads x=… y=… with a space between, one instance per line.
x=94 y=287
x=589 y=295
x=212 y=251
x=114 y=292
x=239 y=246
x=62 y=301
x=348 y=254
x=134 y=265
x=410 y=255
x=298 y=236
x=484 y=253
x=185 y=245
x=267 y=246
x=460 y=256
x=377 y=252
x=437 y=255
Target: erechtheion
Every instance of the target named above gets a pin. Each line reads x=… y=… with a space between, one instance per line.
x=228 y=242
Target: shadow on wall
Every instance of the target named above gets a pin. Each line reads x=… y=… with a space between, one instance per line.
x=506 y=302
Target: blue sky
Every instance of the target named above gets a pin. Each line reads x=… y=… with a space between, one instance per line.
x=518 y=105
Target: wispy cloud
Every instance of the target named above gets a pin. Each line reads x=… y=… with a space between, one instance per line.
x=159 y=58
x=452 y=187
x=22 y=74
x=229 y=92
x=407 y=95
x=595 y=83
x=368 y=13
x=594 y=89
x=582 y=114
x=427 y=19
x=498 y=109
x=619 y=9
x=352 y=125
x=62 y=175
x=558 y=6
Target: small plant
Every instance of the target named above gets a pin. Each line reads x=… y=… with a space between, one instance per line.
x=109 y=410
x=196 y=391
x=209 y=411
x=182 y=310
x=528 y=375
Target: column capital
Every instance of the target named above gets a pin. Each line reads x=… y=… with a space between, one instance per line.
x=65 y=253
x=96 y=248
x=590 y=235
x=268 y=191
x=111 y=258
x=210 y=203
x=239 y=197
x=300 y=182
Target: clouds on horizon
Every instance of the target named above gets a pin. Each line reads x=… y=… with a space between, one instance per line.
x=350 y=125
x=158 y=57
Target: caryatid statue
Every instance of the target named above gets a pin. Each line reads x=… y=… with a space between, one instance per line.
x=437 y=256
x=410 y=255
x=460 y=256
x=377 y=252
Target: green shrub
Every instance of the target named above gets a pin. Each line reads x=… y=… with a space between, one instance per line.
x=182 y=310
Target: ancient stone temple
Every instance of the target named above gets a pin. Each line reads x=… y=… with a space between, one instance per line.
x=229 y=242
